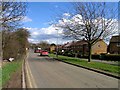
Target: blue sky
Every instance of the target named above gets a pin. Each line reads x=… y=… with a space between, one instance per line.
x=43 y=12
x=39 y=17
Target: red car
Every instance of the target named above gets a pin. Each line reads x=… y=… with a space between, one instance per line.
x=36 y=51
x=44 y=53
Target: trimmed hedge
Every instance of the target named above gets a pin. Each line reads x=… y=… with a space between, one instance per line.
x=107 y=57
x=95 y=56
x=110 y=57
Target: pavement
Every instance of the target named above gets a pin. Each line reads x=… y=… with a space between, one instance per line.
x=45 y=72
x=102 y=61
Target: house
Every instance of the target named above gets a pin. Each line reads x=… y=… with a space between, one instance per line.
x=68 y=46
x=81 y=47
x=52 y=47
x=114 y=45
x=99 y=47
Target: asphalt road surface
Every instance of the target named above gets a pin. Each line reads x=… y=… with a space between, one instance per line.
x=49 y=73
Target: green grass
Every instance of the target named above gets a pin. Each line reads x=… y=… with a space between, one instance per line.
x=96 y=65
x=8 y=69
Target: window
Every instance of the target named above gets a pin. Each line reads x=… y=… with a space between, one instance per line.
x=98 y=45
x=118 y=44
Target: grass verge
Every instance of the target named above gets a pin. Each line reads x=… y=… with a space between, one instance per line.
x=95 y=65
x=9 y=68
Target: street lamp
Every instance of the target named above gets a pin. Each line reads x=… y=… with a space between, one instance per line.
x=57 y=43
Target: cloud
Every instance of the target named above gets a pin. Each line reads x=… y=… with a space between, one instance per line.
x=26 y=19
x=77 y=20
x=49 y=34
x=66 y=14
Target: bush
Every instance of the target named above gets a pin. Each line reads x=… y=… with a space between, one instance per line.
x=107 y=57
x=60 y=52
x=103 y=56
x=69 y=53
x=96 y=56
x=52 y=52
x=111 y=57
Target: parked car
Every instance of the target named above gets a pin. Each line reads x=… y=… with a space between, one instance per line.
x=44 y=53
x=37 y=50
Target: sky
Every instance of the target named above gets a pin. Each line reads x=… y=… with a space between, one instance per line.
x=40 y=17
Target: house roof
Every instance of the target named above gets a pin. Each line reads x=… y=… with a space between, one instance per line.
x=76 y=43
x=115 y=38
x=69 y=44
x=59 y=46
x=82 y=42
x=52 y=44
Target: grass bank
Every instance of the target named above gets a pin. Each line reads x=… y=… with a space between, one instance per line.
x=9 y=68
x=96 y=65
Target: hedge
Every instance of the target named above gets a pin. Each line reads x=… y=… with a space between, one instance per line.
x=108 y=57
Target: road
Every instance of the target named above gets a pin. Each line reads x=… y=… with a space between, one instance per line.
x=48 y=73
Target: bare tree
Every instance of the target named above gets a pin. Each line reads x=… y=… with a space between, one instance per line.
x=93 y=21
x=44 y=45
x=11 y=14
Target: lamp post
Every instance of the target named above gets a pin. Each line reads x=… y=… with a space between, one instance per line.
x=57 y=43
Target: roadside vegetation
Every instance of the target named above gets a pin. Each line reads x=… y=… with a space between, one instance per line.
x=10 y=68
x=96 y=65
x=102 y=56
x=14 y=37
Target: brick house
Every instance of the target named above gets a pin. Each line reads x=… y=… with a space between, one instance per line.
x=114 y=45
x=68 y=46
x=99 y=47
x=81 y=47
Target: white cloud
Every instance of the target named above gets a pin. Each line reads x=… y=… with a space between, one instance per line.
x=49 y=34
x=33 y=40
x=26 y=19
x=66 y=14
x=77 y=20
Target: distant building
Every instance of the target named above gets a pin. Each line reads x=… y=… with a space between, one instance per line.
x=52 y=48
x=81 y=47
x=114 y=45
x=68 y=46
x=99 y=47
